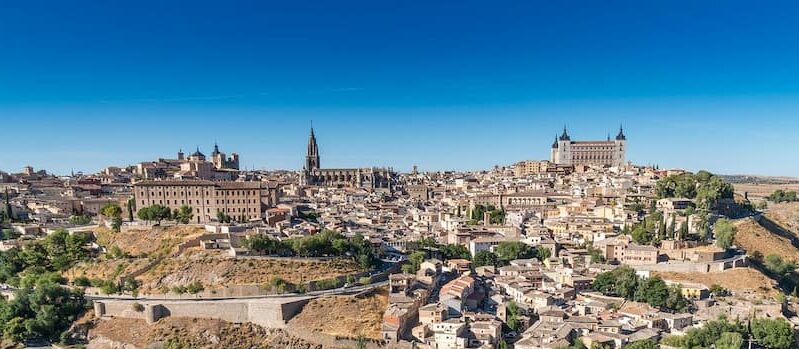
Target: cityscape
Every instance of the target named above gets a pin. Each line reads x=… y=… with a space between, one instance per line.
x=384 y=185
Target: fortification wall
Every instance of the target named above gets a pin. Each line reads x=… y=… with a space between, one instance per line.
x=271 y=313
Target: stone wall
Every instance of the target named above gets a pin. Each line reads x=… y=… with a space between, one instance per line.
x=270 y=313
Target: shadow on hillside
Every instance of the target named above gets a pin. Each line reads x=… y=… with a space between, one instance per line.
x=777 y=229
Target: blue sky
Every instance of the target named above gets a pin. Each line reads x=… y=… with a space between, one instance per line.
x=445 y=85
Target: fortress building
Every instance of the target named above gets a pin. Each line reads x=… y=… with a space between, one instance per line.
x=609 y=152
x=369 y=177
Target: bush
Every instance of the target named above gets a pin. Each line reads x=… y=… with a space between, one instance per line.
x=195 y=287
x=138 y=307
x=81 y=281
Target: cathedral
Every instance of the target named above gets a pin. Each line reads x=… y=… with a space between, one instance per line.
x=610 y=152
x=368 y=178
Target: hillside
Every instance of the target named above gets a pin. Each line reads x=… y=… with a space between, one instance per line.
x=214 y=270
x=346 y=316
x=739 y=280
x=180 y=333
x=756 y=238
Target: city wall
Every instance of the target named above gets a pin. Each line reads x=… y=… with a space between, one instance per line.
x=271 y=313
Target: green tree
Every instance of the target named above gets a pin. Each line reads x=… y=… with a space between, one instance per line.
x=111 y=210
x=729 y=340
x=454 y=251
x=184 y=215
x=775 y=264
x=131 y=207
x=642 y=344
x=484 y=258
x=773 y=333
x=724 y=230
x=510 y=250
x=542 y=253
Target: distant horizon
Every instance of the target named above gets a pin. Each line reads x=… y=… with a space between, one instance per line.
x=696 y=85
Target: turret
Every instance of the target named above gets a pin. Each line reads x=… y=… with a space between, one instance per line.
x=621 y=136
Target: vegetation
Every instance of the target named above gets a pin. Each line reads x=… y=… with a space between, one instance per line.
x=705 y=188
x=643 y=344
x=80 y=220
x=414 y=262
x=57 y=252
x=44 y=312
x=780 y=195
x=455 y=251
x=325 y=244
x=723 y=334
x=183 y=215
x=724 y=232
x=155 y=213
x=484 y=258
x=776 y=265
x=623 y=282
x=497 y=215
x=512 y=318
x=510 y=250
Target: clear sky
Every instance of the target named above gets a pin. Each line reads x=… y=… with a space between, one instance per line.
x=442 y=84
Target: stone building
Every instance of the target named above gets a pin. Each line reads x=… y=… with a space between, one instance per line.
x=598 y=153
x=369 y=177
x=247 y=200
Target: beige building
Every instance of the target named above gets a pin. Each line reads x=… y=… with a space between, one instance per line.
x=597 y=153
x=247 y=200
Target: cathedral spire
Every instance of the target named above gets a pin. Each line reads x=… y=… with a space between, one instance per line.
x=555 y=143
x=621 y=136
x=312 y=155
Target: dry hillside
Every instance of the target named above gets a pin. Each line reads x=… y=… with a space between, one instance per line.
x=739 y=280
x=345 y=316
x=147 y=241
x=755 y=238
x=215 y=270
x=189 y=333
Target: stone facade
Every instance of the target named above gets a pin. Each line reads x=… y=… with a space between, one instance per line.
x=248 y=200
x=368 y=177
x=610 y=152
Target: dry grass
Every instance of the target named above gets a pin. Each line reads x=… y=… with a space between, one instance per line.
x=753 y=238
x=105 y=269
x=156 y=241
x=344 y=315
x=786 y=215
x=215 y=270
x=760 y=191
x=738 y=280
x=191 y=333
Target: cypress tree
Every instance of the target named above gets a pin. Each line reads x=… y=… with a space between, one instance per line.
x=9 y=214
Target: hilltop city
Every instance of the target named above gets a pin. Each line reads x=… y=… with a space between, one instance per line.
x=585 y=249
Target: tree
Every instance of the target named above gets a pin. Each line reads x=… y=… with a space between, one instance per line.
x=729 y=340
x=184 y=214
x=131 y=208
x=43 y=312
x=773 y=333
x=116 y=224
x=484 y=258
x=512 y=316
x=724 y=231
x=80 y=220
x=775 y=264
x=642 y=344
x=510 y=250
x=415 y=261
x=9 y=211
x=155 y=213
x=542 y=253
x=111 y=210
x=453 y=251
